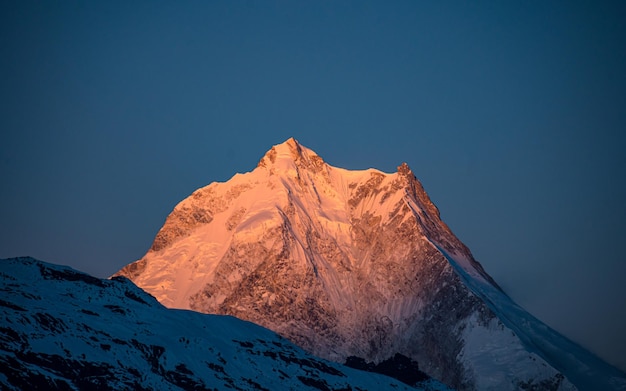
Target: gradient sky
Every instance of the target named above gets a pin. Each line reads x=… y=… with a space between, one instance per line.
x=512 y=114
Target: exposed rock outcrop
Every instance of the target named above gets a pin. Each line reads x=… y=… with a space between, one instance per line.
x=348 y=263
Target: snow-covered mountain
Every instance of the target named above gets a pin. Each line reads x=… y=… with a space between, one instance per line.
x=65 y=330
x=355 y=263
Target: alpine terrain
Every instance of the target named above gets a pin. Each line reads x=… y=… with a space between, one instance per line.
x=66 y=330
x=355 y=265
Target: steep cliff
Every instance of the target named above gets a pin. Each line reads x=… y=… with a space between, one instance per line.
x=350 y=263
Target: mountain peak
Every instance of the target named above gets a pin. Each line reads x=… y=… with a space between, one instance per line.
x=405 y=170
x=352 y=263
x=290 y=155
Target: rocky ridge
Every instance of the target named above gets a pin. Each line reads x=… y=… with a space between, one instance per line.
x=65 y=330
x=353 y=263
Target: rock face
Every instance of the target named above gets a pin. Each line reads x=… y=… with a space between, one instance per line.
x=353 y=263
x=66 y=330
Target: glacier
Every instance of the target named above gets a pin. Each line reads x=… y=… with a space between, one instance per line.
x=355 y=263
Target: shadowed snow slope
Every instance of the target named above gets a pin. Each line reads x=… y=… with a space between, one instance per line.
x=354 y=263
x=65 y=330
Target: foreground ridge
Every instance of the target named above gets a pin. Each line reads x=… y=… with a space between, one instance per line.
x=66 y=330
x=355 y=263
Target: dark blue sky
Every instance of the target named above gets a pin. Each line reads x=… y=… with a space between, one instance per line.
x=512 y=114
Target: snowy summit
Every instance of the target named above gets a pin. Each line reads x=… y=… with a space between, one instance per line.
x=355 y=264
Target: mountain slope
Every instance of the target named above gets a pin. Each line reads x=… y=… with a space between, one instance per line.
x=354 y=263
x=62 y=329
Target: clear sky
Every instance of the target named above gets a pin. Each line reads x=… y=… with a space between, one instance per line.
x=512 y=114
